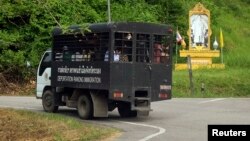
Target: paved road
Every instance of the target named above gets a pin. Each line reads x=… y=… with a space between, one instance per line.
x=182 y=119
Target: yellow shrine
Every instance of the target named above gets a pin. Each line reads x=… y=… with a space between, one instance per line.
x=199 y=47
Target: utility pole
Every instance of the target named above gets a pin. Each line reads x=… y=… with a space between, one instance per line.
x=109 y=16
x=190 y=74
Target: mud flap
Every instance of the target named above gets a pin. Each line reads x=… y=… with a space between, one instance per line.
x=100 y=105
x=142 y=106
x=143 y=113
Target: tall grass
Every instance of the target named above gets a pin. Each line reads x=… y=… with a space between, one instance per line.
x=218 y=83
x=235 y=22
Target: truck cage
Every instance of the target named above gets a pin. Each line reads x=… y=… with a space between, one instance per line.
x=134 y=42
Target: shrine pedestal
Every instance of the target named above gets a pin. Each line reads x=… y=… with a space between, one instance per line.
x=200 y=59
x=199 y=66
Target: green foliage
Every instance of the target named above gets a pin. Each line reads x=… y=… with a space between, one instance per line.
x=234 y=20
x=25 y=26
x=133 y=11
x=26 y=30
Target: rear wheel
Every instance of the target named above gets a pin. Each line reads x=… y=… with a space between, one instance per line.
x=85 y=107
x=124 y=110
x=49 y=102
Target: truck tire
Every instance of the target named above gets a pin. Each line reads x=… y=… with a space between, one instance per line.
x=48 y=102
x=124 y=110
x=85 y=107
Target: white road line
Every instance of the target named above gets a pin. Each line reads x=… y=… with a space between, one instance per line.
x=161 y=130
x=18 y=107
x=213 y=100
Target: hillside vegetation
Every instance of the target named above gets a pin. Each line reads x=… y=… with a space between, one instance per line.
x=25 y=32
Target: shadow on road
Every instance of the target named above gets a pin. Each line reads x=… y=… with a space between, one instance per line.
x=111 y=116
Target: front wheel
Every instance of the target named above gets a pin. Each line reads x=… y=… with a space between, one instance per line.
x=85 y=107
x=49 y=102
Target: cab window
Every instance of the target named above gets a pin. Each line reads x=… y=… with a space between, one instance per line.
x=46 y=62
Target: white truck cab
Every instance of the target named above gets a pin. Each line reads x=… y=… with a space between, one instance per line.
x=44 y=74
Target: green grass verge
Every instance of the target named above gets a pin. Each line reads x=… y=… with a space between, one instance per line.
x=218 y=83
x=26 y=125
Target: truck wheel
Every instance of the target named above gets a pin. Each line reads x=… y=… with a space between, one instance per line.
x=48 y=102
x=124 y=110
x=85 y=107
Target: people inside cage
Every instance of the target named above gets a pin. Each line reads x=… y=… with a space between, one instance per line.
x=161 y=53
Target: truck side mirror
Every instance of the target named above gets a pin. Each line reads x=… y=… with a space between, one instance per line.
x=28 y=64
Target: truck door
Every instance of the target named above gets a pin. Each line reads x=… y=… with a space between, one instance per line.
x=43 y=73
x=142 y=66
x=152 y=68
x=161 y=76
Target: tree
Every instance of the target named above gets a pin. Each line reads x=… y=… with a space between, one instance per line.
x=26 y=30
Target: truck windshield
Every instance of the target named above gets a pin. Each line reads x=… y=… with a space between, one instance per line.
x=45 y=63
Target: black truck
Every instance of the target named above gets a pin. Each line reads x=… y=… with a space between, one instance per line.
x=124 y=65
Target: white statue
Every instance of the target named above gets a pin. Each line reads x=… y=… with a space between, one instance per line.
x=199 y=30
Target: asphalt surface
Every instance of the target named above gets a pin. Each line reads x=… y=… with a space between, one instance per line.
x=180 y=119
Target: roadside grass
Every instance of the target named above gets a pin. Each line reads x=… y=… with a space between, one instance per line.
x=218 y=83
x=26 y=125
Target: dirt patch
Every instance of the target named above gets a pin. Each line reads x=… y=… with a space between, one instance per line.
x=112 y=137
x=12 y=88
